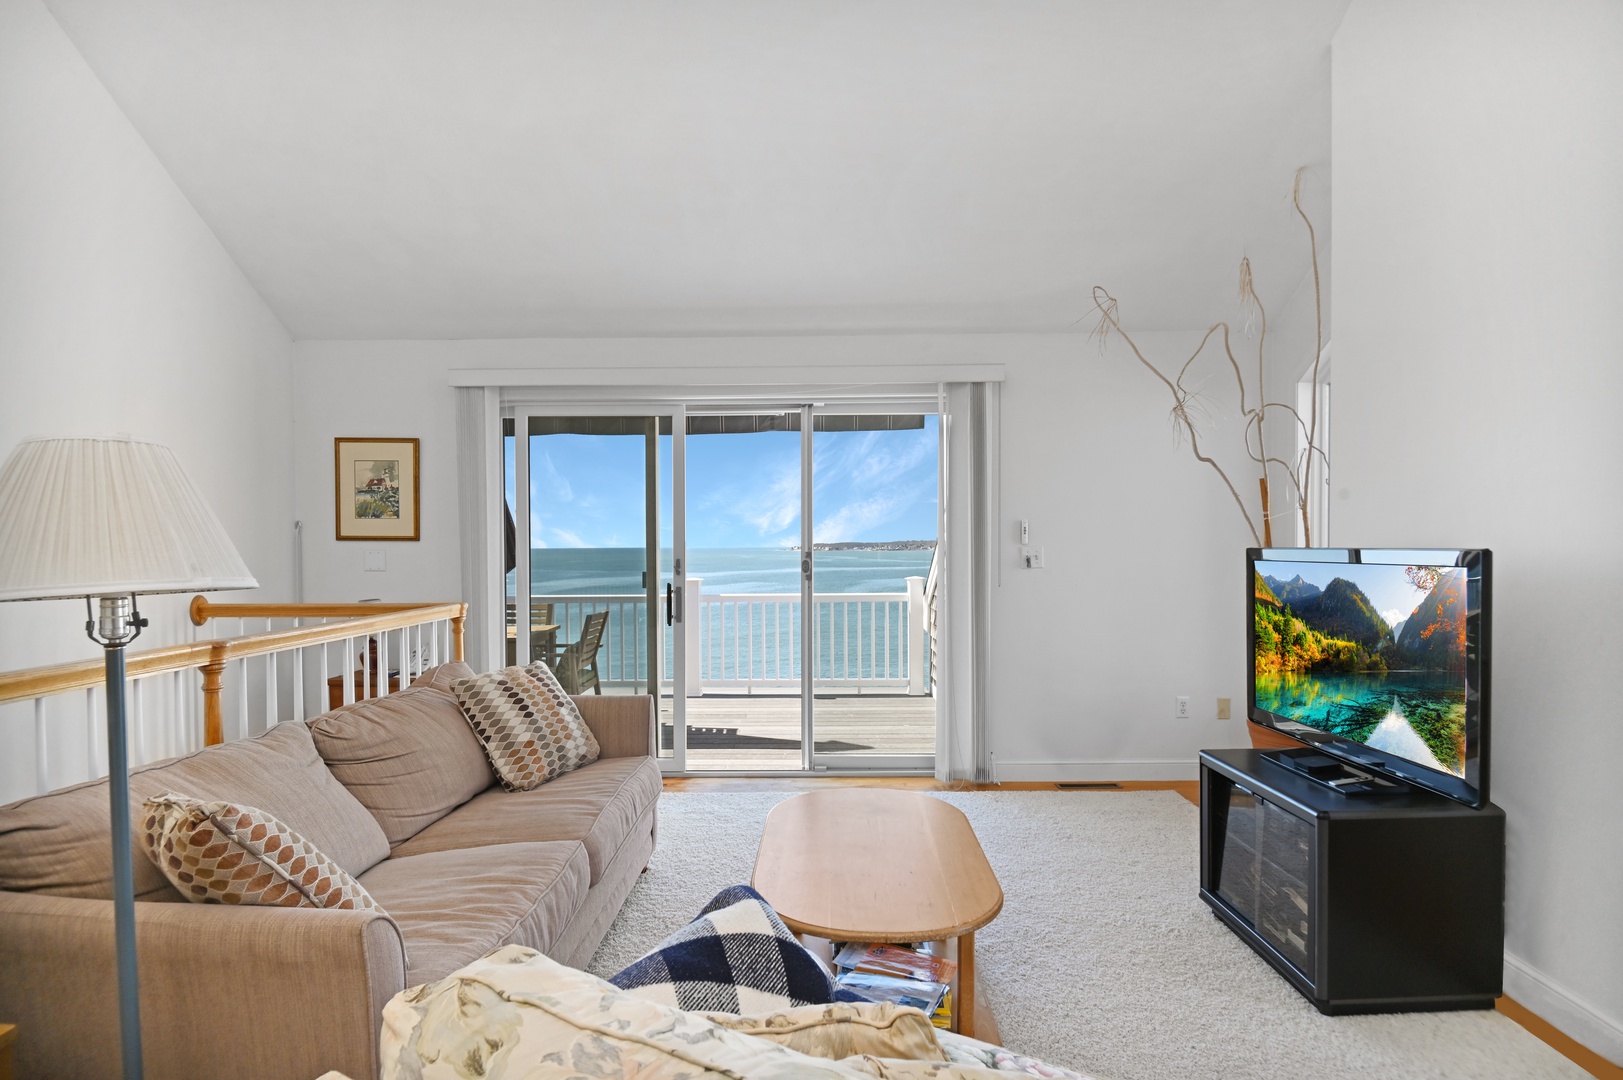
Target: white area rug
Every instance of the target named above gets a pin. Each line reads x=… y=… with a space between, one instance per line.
x=1104 y=958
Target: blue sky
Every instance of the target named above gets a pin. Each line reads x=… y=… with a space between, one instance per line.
x=1386 y=586
x=742 y=490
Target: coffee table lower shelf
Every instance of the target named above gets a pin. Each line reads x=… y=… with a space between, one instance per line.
x=976 y=1021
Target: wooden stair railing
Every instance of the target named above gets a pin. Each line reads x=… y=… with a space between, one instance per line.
x=360 y=620
x=211 y=657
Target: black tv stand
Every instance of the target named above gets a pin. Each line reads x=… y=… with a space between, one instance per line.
x=1334 y=773
x=1393 y=904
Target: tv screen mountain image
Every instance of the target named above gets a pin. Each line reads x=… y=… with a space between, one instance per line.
x=1371 y=653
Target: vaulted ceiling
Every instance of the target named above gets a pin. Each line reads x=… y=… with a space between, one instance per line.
x=509 y=168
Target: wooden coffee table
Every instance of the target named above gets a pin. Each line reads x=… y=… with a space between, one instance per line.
x=871 y=864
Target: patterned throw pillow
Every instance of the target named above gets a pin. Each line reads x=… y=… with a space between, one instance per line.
x=224 y=853
x=736 y=957
x=530 y=729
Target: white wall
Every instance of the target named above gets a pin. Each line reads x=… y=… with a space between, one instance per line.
x=1479 y=261
x=375 y=390
x=1142 y=600
x=120 y=312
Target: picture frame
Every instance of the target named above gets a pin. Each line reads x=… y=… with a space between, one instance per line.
x=376 y=489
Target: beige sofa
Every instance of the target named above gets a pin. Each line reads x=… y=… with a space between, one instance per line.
x=398 y=792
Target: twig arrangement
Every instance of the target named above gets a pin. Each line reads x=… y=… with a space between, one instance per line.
x=1188 y=406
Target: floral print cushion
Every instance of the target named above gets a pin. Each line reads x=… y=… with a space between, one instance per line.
x=963 y=1051
x=518 y=1015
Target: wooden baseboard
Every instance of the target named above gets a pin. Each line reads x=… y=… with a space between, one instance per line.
x=1570 y=1048
x=1189 y=789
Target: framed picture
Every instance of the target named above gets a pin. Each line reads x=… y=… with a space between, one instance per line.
x=375 y=484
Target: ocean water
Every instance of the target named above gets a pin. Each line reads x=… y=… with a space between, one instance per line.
x=578 y=571
x=743 y=641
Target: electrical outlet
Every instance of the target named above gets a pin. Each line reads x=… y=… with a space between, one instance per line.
x=1031 y=558
x=1181 y=710
x=1222 y=708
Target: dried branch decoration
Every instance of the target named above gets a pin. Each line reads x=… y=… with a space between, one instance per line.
x=1187 y=404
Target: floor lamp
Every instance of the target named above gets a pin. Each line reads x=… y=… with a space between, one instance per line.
x=110 y=519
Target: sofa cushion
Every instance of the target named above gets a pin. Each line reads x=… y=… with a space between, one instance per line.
x=531 y=730
x=598 y=805
x=441 y=676
x=410 y=758
x=736 y=957
x=58 y=843
x=454 y=906
x=227 y=853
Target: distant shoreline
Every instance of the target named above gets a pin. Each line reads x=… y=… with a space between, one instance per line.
x=866 y=545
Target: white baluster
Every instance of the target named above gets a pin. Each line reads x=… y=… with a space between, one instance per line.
x=242 y=700
x=298 y=677
x=91 y=731
x=177 y=688
x=42 y=765
x=272 y=714
x=321 y=675
x=135 y=732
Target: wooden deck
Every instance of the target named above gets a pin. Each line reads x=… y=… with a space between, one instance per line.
x=737 y=732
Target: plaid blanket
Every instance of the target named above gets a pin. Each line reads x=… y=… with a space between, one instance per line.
x=736 y=957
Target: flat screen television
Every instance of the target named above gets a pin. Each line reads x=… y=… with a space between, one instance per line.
x=1377 y=657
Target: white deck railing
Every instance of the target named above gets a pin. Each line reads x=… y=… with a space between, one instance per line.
x=751 y=641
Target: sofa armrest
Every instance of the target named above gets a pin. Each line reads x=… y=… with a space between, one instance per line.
x=622 y=724
x=260 y=992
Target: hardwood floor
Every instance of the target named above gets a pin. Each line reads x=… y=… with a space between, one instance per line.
x=1189 y=789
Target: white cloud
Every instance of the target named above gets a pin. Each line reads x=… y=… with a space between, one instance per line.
x=1393 y=616
x=569 y=539
x=779 y=505
x=853 y=519
x=562 y=490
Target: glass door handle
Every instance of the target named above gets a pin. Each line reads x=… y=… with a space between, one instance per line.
x=669 y=605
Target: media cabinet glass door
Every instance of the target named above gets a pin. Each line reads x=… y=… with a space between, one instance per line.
x=1265 y=873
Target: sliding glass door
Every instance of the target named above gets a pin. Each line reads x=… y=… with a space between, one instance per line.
x=767 y=570
x=596 y=589
x=874 y=486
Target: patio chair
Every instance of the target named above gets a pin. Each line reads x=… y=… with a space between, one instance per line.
x=543 y=643
x=576 y=668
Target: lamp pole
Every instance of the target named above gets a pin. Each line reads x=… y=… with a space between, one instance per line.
x=120 y=624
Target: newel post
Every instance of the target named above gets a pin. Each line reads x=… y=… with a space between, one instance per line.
x=456 y=632
x=213 y=682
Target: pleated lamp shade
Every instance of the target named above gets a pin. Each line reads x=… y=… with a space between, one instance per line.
x=106 y=517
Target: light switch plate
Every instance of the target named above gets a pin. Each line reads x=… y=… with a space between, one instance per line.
x=1031 y=558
